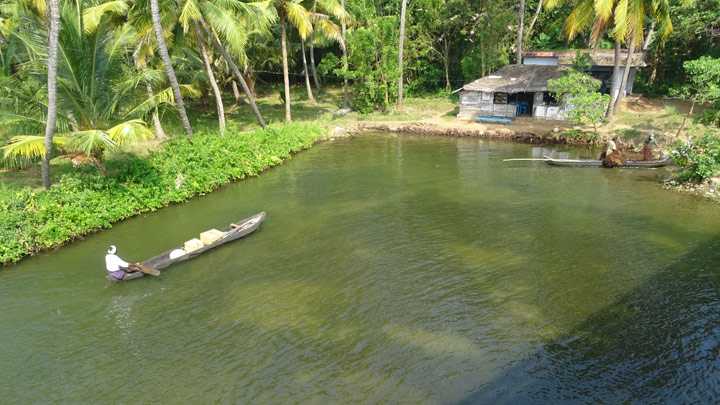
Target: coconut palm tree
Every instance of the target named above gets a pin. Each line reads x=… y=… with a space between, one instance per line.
x=403 y=7
x=100 y=102
x=299 y=17
x=229 y=22
x=167 y=64
x=325 y=29
x=521 y=27
x=53 y=34
x=626 y=21
x=632 y=27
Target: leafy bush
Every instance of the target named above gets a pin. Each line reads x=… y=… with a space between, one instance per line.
x=698 y=160
x=84 y=201
x=579 y=92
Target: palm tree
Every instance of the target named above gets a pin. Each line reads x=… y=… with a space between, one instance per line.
x=308 y=87
x=633 y=26
x=167 y=63
x=299 y=17
x=343 y=44
x=200 y=38
x=233 y=21
x=326 y=29
x=53 y=34
x=627 y=20
x=100 y=102
x=521 y=26
x=403 y=7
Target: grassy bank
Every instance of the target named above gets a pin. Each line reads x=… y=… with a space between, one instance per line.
x=83 y=201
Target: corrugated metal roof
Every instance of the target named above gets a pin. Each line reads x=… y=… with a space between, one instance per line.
x=517 y=79
x=599 y=57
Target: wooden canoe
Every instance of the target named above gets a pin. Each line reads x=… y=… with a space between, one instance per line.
x=598 y=163
x=233 y=232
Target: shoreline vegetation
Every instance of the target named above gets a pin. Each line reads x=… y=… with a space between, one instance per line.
x=144 y=178
x=84 y=201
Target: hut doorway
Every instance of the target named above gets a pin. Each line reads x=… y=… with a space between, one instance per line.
x=523 y=103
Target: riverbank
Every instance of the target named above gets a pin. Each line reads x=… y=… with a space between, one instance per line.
x=83 y=201
x=154 y=175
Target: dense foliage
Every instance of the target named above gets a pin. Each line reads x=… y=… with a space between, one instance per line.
x=704 y=86
x=580 y=93
x=85 y=201
x=698 y=160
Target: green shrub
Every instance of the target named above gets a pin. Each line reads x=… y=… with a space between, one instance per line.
x=698 y=160
x=84 y=201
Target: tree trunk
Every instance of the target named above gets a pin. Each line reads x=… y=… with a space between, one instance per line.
x=689 y=114
x=249 y=76
x=482 y=57
x=311 y=98
x=626 y=73
x=236 y=92
x=169 y=71
x=403 y=8
x=211 y=79
x=312 y=55
x=316 y=79
x=159 y=131
x=446 y=63
x=538 y=10
x=52 y=62
x=649 y=37
x=615 y=88
x=286 y=74
x=521 y=26
x=234 y=68
x=343 y=45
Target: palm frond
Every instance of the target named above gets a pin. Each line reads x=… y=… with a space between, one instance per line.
x=299 y=17
x=335 y=9
x=90 y=141
x=129 y=132
x=162 y=97
x=189 y=13
x=620 y=20
x=580 y=18
x=93 y=15
x=23 y=150
x=230 y=28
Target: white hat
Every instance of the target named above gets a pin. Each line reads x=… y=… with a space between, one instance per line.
x=112 y=250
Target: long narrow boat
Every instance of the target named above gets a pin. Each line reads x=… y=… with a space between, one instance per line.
x=232 y=233
x=598 y=163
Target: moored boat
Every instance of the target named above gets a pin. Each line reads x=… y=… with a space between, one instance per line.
x=598 y=163
x=180 y=254
x=573 y=162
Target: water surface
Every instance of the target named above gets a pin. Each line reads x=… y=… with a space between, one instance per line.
x=390 y=269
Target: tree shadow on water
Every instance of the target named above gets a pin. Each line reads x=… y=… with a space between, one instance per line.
x=658 y=343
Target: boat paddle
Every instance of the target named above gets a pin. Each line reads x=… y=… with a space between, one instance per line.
x=145 y=269
x=527 y=159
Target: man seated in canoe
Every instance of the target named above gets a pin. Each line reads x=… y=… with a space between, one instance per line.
x=612 y=156
x=116 y=267
x=648 y=147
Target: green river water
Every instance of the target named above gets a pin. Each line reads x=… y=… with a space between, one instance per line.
x=390 y=269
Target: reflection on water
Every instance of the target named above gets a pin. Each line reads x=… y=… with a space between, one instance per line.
x=390 y=269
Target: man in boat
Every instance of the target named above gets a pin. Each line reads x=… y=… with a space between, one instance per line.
x=612 y=157
x=116 y=267
x=648 y=147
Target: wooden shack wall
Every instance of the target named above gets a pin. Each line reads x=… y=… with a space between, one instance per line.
x=476 y=103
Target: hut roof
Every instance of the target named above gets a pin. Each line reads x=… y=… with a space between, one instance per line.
x=517 y=79
x=599 y=57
